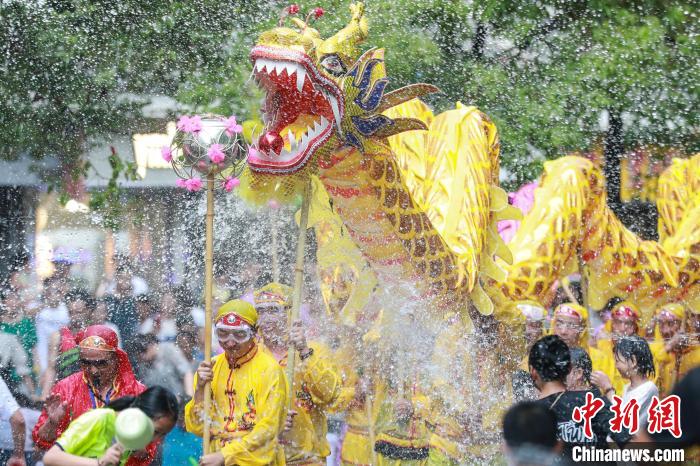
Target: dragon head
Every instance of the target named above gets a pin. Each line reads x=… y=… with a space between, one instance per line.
x=319 y=94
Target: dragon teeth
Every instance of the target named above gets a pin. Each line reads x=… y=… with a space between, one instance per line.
x=336 y=110
x=301 y=76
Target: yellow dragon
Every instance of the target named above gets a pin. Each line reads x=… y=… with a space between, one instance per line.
x=422 y=206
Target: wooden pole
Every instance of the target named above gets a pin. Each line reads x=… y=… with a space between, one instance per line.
x=298 y=285
x=370 y=428
x=273 y=246
x=208 y=285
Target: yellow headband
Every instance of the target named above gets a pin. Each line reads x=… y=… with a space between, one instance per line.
x=239 y=308
x=672 y=310
x=273 y=295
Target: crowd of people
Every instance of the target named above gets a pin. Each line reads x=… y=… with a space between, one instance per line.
x=71 y=360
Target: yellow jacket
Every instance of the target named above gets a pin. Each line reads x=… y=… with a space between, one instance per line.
x=460 y=383
x=317 y=385
x=356 y=450
x=676 y=367
x=249 y=407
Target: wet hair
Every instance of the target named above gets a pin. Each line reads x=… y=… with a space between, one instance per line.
x=550 y=357
x=636 y=346
x=155 y=402
x=530 y=423
x=581 y=360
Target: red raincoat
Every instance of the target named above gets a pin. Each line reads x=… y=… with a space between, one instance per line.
x=75 y=391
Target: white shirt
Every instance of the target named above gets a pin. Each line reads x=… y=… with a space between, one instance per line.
x=643 y=394
x=8 y=404
x=12 y=354
x=48 y=321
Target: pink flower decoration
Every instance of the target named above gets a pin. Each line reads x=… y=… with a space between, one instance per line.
x=183 y=124
x=166 y=153
x=180 y=183
x=195 y=124
x=293 y=9
x=232 y=126
x=318 y=12
x=231 y=183
x=193 y=184
x=216 y=153
x=273 y=204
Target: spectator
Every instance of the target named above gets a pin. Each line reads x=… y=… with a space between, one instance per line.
x=162 y=322
x=13 y=365
x=550 y=363
x=137 y=285
x=162 y=363
x=635 y=362
x=189 y=345
x=579 y=377
x=181 y=447
x=63 y=348
x=100 y=317
x=9 y=410
x=91 y=435
x=106 y=376
x=14 y=321
x=530 y=435
x=533 y=314
x=50 y=319
x=121 y=310
x=144 y=308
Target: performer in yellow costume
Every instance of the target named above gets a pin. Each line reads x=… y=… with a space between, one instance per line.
x=362 y=394
x=317 y=381
x=682 y=349
x=463 y=418
x=249 y=395
x=625 y=321
x=570 y=323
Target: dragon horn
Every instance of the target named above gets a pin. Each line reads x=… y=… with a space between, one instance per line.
x=344 y=43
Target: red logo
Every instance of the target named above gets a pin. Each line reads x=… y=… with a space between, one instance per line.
x=626 y=416
x=587 y=412
x=665 y=415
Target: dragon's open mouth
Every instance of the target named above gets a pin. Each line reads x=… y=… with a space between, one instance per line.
x=301 y=107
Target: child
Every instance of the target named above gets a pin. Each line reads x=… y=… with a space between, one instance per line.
x=634 y=361
x=91 y=435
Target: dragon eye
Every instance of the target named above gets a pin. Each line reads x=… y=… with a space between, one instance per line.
x=333 y=65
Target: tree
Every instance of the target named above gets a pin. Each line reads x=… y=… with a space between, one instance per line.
x=74 y=70
x=556 y=76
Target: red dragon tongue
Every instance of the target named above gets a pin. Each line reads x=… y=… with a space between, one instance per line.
x=271 y=142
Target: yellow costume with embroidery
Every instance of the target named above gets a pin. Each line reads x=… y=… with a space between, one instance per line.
x=248 y=410
x=599 y=360
x=675 y=364
x=249 y=402
x=317 y=385
x=459 y=396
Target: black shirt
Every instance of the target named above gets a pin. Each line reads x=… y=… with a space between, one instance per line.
x=572 y=433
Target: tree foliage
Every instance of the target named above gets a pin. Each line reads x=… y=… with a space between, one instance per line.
x=551 y=74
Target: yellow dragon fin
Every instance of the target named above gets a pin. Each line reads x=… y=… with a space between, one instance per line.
x=452 y=173
x=678 y=193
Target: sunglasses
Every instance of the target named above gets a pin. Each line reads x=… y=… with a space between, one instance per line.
x=98 y=363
